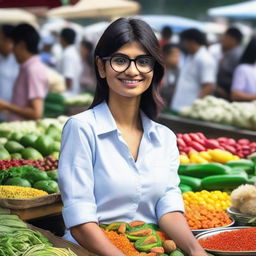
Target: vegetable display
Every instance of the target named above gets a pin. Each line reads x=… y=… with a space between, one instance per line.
x=29 y=176
x=16 y=239
x=210 y=108
x=140 y=238
x=18 y=192
x=197 y=142
x=216 y=176
x=201 y=217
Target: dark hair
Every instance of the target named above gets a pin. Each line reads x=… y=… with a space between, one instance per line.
x=69 y=35
x=27 y=34
x=7 y=30
x=167 y=48
x=249 y=55
x=166 y=32
x=235 y=33
x=195 y=35
x=119 y=33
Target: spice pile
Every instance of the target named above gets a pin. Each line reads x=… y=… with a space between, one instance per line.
x=236 y=240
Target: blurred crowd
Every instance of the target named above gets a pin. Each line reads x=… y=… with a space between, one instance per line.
x=31 y=66
x=195 y=69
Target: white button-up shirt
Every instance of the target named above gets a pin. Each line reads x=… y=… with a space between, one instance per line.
x=198 y=69
x=99 y=179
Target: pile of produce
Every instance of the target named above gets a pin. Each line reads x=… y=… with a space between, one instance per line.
x=46 y=164
x=138 y=238
x=201 y=217
x=215 y=176
x=81 y=99
x=197 y=142
x=16 y=239
x=18 y=192
x=210 y=108
x=29 y=176
x=235 y=240
x=212 y=200
x=54 y=105
x=31 y=146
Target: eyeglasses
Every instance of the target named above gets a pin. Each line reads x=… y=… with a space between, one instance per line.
x=121 y=62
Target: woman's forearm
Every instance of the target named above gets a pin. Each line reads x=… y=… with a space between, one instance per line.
x=91 y=237
x=175 y=226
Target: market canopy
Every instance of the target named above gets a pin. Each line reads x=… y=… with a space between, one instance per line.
x=245 y=10
x=96 y=8
x=14 y=16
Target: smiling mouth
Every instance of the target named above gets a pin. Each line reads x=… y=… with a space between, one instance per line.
x=126 y=81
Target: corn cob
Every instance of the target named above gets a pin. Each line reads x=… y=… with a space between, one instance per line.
x=17 y=192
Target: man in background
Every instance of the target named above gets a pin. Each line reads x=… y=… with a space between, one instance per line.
x=9 y=68
x=31 y=86
x=198 y=73
x=70 y=63
x=232 y=51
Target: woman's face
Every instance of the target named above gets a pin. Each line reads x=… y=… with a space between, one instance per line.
x=131 y=82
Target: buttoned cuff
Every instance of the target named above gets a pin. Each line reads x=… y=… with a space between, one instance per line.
x=79 y=213
x=169 y=203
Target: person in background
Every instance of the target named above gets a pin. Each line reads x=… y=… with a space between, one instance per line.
x=198 y=73
x=244 y=79
x=31 y=86
x=232 y=51
x=87 y=78
x=166 y=35
x=9 y=68
x=70 y=63
x=46 y=54
x=171 y=53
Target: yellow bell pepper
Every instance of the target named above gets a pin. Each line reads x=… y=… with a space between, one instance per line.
x=184 y=159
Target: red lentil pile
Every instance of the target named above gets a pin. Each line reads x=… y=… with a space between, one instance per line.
x=236 y=240
x=122 y=243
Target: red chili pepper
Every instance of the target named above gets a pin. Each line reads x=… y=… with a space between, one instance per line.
x=186 y=138
x=181 y=142
x=197 y=146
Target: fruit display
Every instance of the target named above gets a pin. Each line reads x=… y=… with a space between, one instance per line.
x=81 y=99
x=197 y=142
x=210 y=108
x=29 y=176
x=17 y=239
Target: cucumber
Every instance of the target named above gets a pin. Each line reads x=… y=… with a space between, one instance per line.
x=194 y=183
x=245 y=164
x=185 y=188
x=207 y=169
x=225 y=181
x=182 y=168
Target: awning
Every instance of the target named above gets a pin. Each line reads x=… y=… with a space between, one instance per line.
x=96 y=8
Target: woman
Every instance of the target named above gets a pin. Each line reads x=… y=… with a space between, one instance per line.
x=116 y=164
x=244 y=79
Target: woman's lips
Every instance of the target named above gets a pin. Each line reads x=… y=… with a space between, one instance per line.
x=131 y=83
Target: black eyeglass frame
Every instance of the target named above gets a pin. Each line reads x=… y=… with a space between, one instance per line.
x=130 y=61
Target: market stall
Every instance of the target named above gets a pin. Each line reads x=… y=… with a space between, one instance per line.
x=213 y=164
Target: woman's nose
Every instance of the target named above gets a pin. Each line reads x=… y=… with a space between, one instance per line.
x=132 y=69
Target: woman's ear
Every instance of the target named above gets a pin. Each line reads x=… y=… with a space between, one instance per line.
x=101 y=67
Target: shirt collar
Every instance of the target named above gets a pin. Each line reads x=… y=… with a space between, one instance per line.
x=105 y=122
